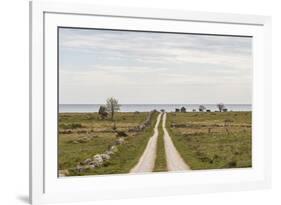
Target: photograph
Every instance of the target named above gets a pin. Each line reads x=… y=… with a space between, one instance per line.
x=133 y=101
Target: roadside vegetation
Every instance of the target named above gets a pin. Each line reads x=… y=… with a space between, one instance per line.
x=160 y=162
x=212 y=140
x=84 y=135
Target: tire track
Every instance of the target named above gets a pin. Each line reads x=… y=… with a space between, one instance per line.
x=147 y=160
x=174 y=160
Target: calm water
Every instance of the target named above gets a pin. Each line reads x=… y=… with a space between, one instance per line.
x=149 y=107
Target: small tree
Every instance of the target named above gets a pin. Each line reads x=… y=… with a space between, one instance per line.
x=220 y=106
x=202 y=108
x=112 y=106
x=102 y=112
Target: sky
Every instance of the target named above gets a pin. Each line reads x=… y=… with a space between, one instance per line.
x=153 y=68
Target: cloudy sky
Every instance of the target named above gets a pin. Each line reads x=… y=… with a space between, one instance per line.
x=153 y=68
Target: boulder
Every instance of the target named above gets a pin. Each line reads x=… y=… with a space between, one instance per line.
x=80 y=168
x=113 y=149
x=63 y=173
x=108 y=152
x=121 y=134
x=92 y=166
x=84 y=140
x=119 y=141
x=87 y=161
x=105 y=157
x=97 y=160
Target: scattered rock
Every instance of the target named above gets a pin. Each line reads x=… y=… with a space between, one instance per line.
x=82 y=131
x=65 y=132
x=121 y=134
x=97 y=160
x=113 y=149
x=89 y=166
x=145 y=124
x=174 y=125
x=83 y=140
x=75 y=142
x=109 y=152
x=92 y=166
x=105 y=157
x=63 y=173
x=80 y=168
x=87 y=161
x=120 y=141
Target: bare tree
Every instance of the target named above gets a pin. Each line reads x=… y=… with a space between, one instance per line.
x=220 y=106
x=202 y=108
x=112 y=106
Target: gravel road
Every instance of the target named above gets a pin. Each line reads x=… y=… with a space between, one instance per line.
x=147 y=160
x=174 y=160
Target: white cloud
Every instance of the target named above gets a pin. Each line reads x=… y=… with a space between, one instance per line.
x=127 y=60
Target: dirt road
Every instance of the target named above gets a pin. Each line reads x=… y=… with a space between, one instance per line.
x=147 y=160
x=174 y=160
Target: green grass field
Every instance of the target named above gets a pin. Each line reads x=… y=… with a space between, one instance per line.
x=212 y=140
x=82 y=135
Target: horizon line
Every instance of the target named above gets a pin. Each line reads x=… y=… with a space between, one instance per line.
x=156 y=103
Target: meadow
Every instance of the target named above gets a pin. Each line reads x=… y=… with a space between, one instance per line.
x=212 y=140
x=90 y=145
x=84 y=135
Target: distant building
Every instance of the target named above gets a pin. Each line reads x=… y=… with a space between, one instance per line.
x=177 y=110
x=183 y=109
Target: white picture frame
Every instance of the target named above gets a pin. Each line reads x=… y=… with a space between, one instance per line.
x=46 y=187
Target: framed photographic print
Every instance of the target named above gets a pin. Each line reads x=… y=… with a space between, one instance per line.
x=129 y=102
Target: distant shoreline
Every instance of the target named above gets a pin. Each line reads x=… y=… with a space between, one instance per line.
x=148 y=107
x=158 y=104
x=159 y=111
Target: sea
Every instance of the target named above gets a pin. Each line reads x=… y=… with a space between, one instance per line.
x=148 y=107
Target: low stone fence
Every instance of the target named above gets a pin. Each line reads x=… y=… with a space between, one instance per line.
x=145 y=124
x=98 y=160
